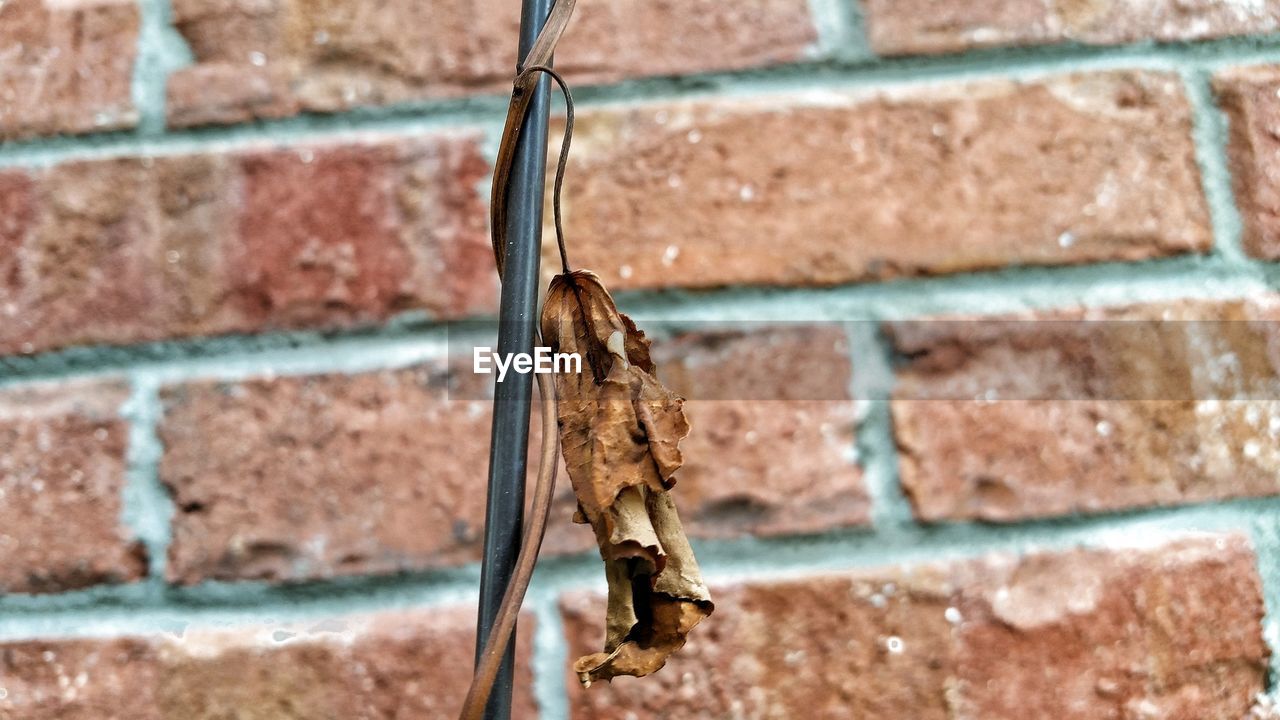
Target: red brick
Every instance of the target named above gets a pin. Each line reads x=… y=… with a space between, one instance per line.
x=813 y=648
x=15 y=217
x=909 y=27
x=255 y=61
x=68 y=66
x=321 y=229
x=412 y=665
x=311 y=477
x=219 y=93
x=1004 y=419
x=772 y=450
x=383 y=472
x=321 y=236
x=1248 y=95
x=61 y=477
x=1172 y=632
x=102 y=679
x=835 y=187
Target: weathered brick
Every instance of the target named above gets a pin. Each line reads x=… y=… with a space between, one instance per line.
x=766 y=404
x=909 y=27
x=383 y=472
x=1039 y=415
x=1172 y=632
x=68 y=66
x=837 y=187
x=308 y=477
x=1248 y=95
x=1169 y=633
x=319 y=236
x=772 y=446
x=255 y=60
x=813 y=648
x=412 y=665
x=61 y=477
x=100 y=679
x=15 y=216
x=771 y=450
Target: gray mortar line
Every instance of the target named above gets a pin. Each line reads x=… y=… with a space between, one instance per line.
x=111 y=610
x=1210 y=137
x=487 y=110
x=147 y=507
x=411 y=339
x=161 y=50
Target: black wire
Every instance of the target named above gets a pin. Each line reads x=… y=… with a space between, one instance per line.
x=564 y=158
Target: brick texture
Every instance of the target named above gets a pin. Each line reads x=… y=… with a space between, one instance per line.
x=259 y=61
x=61 y=477
x=833 y=188
x=909 y=27
x=67 y=66
x=743 y=145
x=1249 y=97
x=772 y=446
x=1171 y=632
x=319 y=236
x=771 y=450
x=299 y=478
x=403 y=666
x=1088 y=411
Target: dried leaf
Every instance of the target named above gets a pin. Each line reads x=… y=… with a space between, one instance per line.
x=620 y=432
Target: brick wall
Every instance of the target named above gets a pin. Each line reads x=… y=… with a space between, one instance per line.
x=236 y=479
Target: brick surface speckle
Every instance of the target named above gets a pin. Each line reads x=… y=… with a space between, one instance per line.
x=835 y=187
x=67 y=66
x=380 y=472
x=1081 y=635
x=255 y=61
x=911 y=27
x=319 y=236
x=62 y=475
x=323 y=476
x=1055 y=413
x=936 y=277
x=394 y=665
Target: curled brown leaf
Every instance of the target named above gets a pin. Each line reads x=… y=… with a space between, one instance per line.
x=620 y=432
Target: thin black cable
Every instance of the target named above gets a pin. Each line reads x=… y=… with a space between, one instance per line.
x=563 y=161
